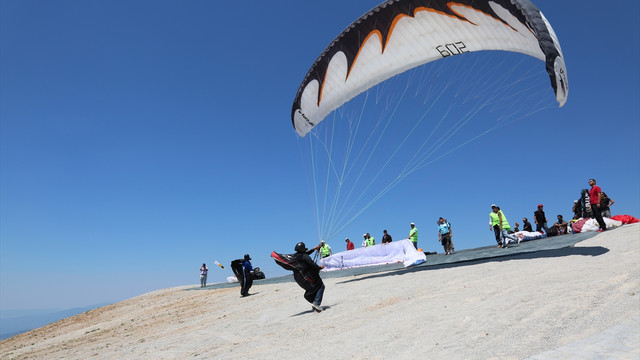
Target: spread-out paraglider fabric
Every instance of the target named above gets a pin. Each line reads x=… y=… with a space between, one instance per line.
x=395 y=252
x=399 y=35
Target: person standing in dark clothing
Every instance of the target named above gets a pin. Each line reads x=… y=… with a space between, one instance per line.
x=577 y=210
x=308 y=276
x=305 y=272
x=595 y=198
x=605 y=203
x=386 y=238
x=494 y=224
x=540 y=219
x=243 y=271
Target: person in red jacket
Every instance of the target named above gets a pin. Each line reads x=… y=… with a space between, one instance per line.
x=595 y=198
x=350 y=245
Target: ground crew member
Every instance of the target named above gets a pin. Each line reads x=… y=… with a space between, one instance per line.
x=413 y=235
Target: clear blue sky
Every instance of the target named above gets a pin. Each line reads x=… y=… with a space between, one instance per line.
x=140 y=139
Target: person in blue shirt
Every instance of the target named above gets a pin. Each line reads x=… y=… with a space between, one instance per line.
x=444 y=235
x=243 y=271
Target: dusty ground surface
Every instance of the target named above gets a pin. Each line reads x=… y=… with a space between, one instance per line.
x=507 y=308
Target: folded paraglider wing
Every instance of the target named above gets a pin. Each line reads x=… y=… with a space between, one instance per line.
x=236 y=267
x=308 y=280
x=284 y=260
x=293 y=262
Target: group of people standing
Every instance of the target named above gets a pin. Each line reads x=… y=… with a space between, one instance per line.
x=369 y=240
x=444 y=236
x=307 y=272
x=599 y=204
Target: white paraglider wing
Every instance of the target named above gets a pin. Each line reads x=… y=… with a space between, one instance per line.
x=399 y=35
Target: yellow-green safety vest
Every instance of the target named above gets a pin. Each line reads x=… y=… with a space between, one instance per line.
x=505 y=223
x=413 y=235
x=495 y=220
x=371 y=241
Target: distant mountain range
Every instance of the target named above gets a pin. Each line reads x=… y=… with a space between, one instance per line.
x=14 y=322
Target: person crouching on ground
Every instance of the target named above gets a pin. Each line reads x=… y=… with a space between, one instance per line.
x=561 y=226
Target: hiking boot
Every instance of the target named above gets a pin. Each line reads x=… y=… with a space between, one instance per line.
x=315 y=307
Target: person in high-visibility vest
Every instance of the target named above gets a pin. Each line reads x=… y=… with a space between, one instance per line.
x=370 y=240
x=494 y=224
x=325 y=249
x=504 y=229
x=413 y=235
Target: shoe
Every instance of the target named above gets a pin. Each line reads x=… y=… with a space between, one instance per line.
x=600 y=230
x=315 y=307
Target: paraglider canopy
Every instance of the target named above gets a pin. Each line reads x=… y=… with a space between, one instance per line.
x=399 y=35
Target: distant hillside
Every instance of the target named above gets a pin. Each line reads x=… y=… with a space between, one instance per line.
x=25 y=320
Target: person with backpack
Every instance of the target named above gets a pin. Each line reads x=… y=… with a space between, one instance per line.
x=444 y=235
x=305 y=272
x=243 y=271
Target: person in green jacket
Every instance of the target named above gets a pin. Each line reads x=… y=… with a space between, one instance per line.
x=494 y=224
x=504 y=228
x=370 y=240
x=325 y=249
x=413 y=235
